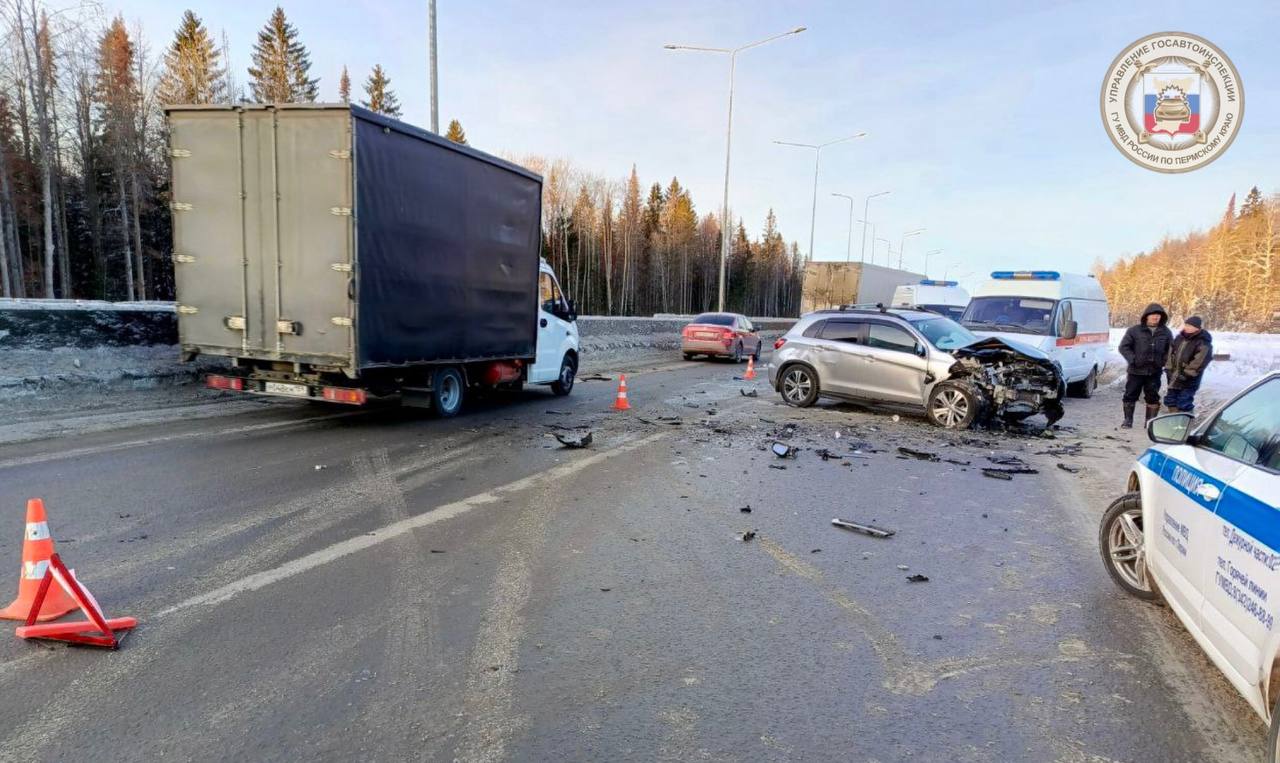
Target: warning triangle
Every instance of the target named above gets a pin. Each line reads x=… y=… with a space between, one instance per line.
x=98 y=630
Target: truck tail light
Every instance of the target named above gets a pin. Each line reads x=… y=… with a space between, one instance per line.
x=344 y=395
x=214 y=381
x=777 y=344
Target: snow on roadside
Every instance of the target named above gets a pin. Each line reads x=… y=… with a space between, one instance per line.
x=1252 y=355
x=27 y=371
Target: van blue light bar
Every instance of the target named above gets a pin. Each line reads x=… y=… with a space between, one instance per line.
x=933 y=282
x=1026 y=275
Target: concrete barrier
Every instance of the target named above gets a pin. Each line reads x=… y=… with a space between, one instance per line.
x=53 y=324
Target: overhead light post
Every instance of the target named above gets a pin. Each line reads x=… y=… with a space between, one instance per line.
x=888 y=250
x=435 y=79
x=865 y=205
x=927 y=255
x=728 y=140
x=902 y=243
x=848 y=246
x=873 y=239
x=817 y=157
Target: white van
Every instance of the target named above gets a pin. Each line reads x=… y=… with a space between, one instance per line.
x=1064 y=315
x=941 y=297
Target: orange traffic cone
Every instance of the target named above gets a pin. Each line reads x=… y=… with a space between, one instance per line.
x=620 y=403
x=37 y=548
x=751 y=368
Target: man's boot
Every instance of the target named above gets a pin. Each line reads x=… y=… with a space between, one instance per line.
x=1128 y=415
x=1152 y=412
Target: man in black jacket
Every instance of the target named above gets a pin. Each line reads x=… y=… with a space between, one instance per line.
x=1146 y=349
x=1190 y=355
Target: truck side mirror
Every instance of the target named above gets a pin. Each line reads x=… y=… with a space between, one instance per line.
x=1069 y=329
x=921 y=351
x=571 y=310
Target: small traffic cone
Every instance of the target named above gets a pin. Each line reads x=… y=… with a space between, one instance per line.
x=620 y=403
x=37 y=549
x=751 y=368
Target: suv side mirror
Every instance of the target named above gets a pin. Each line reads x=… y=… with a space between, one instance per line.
x=1170 y=429
x=1070 y=329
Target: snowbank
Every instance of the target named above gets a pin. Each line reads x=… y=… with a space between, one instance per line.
x=1252 y=355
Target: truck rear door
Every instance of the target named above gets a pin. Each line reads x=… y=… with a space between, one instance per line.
x=263 y=232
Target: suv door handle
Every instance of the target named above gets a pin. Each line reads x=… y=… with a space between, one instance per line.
x=543 y=323
x=1208 y=492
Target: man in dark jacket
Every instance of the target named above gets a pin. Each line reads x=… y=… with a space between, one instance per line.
x=1145 y=348
x=1188 y=358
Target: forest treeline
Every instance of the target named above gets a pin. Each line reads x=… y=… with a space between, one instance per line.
x=84 y=173
x=1228 y=275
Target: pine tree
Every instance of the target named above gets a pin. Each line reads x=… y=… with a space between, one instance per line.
x=118 y=99
x=1252 y=203
x=456 y=133
x=382 y=99
x=344 y=86
x=281 y=64
x=192 y=66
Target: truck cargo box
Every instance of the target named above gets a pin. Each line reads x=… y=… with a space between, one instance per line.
x=331 y=236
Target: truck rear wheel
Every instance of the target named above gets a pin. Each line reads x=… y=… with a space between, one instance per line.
x=448 y=390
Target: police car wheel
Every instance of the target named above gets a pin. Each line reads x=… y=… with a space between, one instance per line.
x=1123 y=546
x=1273 y=735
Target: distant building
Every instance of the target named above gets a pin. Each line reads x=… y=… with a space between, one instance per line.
x=831 y=284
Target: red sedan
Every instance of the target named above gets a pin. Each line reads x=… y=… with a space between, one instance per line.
x=722 y=335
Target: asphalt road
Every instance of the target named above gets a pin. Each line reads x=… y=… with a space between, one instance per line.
x=331 y=584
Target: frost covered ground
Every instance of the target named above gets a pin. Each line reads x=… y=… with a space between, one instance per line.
x=1252 y=355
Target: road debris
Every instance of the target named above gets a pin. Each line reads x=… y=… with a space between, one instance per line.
x=745 y=509
x=1014 y=469
x=923 y=455
x=957 y=461
x=580 y=440
x=917 y=578
x=746 y=535
x=1070 y=469
x=1074 y=449
x=783 y=450
x=320 y=467
x=903 y=567
x=997 y=475
x=751 y=393
x=872 y=530
x=1008 y=461
x=595 y=377
x=777 y=466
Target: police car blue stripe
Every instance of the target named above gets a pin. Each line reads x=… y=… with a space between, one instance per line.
x=1248 y=514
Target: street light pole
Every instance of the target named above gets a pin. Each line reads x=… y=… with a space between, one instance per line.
x=848 y=247
x=902 y=243
x=865 y=205
x=927 y=255
x=817 y=157
x=728 y=141
x=435 y=83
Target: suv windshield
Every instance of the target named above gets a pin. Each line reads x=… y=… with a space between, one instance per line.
x=1025 y=315
x=954 y=312
x=714 y=319
x=944 y=333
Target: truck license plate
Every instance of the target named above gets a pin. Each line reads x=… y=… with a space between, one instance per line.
x=292 y=390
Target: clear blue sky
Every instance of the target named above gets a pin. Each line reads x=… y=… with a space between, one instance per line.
x=983 y=118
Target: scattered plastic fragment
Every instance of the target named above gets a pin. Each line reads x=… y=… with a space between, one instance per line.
x=1069 y=468
x=923 y=455
x=746 y=535
x=1007 y=461
x=579 y=440
x=783 y=450
x=872 y=530
x=595 y=377
x=903 y=567
x=321 y=466
x=745 y=509
x=997 y=475
x=917 y=578
x=750 y=393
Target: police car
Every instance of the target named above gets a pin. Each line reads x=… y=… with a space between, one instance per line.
x=1201 y=527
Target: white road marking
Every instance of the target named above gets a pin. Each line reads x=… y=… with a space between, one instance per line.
x=368 y=540
x=108 y=448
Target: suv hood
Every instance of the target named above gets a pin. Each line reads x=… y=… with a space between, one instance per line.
x=995 y=347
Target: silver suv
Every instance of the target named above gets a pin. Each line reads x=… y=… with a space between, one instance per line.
x=916 y=358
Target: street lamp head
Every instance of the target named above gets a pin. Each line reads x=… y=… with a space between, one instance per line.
x=799 y=29
x=671 y=47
